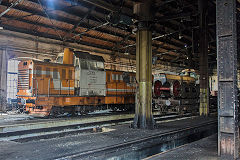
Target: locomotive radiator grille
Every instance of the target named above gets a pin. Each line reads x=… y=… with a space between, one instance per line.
x=23 y=79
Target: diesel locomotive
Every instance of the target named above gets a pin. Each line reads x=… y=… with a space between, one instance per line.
x=77 y=83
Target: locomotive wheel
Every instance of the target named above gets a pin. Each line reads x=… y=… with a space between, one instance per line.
x=176 y=89
x=56 y=111
x=157 y=86
x=114 y=108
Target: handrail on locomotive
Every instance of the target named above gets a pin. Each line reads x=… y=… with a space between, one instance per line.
x=77 y=89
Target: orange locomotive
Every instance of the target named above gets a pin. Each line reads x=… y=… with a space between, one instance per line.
x=77 y=84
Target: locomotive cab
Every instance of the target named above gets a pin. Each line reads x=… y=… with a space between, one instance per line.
x=90 y=74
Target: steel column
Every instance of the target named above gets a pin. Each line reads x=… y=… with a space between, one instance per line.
x=143 y=110
x=3 y=79
x=203 y=57
x=228 y=127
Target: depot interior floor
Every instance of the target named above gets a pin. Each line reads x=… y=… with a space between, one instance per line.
x=13 y=118
x=61 y=146
x=204 y=149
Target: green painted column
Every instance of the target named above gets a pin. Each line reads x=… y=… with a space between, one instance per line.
x=203 y=57
x=143 y=106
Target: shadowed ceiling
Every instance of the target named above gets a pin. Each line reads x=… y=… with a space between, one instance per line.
x=109 y=25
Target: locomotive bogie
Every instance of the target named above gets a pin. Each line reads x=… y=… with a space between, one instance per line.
x=45 y=105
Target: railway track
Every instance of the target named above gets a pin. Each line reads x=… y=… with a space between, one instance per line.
x=152 y=140
x=62 y=117
x=49 y=129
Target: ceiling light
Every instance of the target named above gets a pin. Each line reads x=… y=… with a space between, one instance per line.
x=180 y=36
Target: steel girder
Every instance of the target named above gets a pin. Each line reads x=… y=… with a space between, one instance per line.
x=228 y=127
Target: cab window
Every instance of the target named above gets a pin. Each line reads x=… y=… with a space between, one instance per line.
x=84 y=64
x=77 y=63
x=93 y=65
x=59 y=59
x=108 y=77
x=55 y=73
x=47 y=72
x=39 y=71
x=192 y=75
x=100 y=65
x=114 y=77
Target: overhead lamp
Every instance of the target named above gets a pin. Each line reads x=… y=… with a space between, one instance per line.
x=180 y=36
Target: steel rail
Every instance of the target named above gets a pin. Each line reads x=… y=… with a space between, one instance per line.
x=38 y=133
x=134 y=142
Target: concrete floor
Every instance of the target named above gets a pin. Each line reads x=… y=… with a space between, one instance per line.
x=12 y=117
x=204 y=149
x=61 y=146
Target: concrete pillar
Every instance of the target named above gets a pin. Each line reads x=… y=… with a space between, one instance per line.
x=203 y=57
x=228 y=105
x=3 y=79
x=143 y=110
